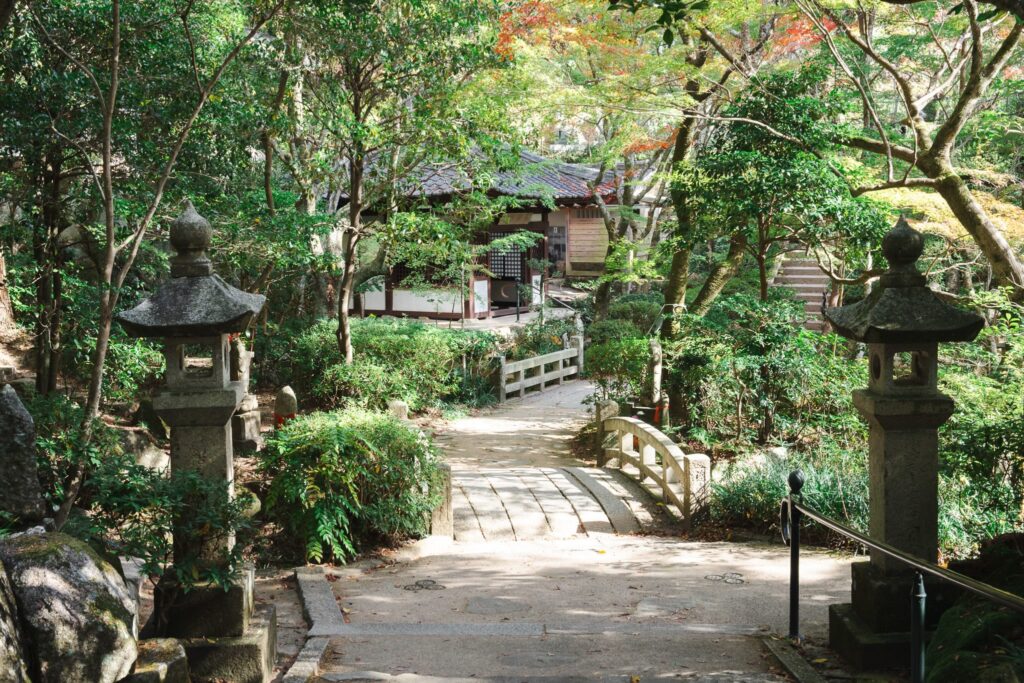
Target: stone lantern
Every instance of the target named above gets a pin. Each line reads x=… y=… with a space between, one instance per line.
x=196 y=313
x=902 y=321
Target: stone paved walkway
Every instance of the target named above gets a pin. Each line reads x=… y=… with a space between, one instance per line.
x=546 y=580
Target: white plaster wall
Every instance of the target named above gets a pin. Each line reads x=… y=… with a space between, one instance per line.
x=482 y=305
x=538 y=295
x=430 y=301
x=375 y=300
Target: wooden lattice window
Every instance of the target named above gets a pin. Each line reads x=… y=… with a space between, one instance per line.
x=506 y=264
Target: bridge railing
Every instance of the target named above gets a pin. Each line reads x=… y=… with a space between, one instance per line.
x=519 y=377
x=646 y=454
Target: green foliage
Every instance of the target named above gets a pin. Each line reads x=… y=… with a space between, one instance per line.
x=343 y=479
x=618 y=367
x=362 y=384
x=743 y=371
x=750 y=490
x=980 y=492
x=538 y=337
x=644 y=314
x=422 y=364
x=131 y=509
x=607 y=330
x=976 y=634
x=60 y=446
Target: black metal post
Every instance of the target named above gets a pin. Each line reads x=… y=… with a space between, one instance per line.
x=918 y=598
x=796 y=483
x=519 y=293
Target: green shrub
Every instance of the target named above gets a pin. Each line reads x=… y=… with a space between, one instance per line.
x=618 y=367
x=363 y=384
x=642 y=313
x=647 y=297
x=538 y=337
x=609 y=330
x=423 y=364
x=750 y=490
x=342 y=479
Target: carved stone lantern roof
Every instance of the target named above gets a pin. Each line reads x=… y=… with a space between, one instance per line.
x=194 y=302
x=902 y=309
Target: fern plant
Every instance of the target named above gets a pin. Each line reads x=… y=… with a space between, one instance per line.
x=343 y=479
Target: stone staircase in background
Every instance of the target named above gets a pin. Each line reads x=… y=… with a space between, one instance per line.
x=801 y=274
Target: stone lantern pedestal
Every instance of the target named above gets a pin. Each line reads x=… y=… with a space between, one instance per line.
x=902 y=322
x=197 y=314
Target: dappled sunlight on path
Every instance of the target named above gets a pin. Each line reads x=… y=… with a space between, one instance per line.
x=538 y=585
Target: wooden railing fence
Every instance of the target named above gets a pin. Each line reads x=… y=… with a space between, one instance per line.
x=647 y=455
x=520 y=377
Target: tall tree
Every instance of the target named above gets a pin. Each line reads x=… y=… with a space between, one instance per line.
x=115 y=124
x=383 y=93
x=940 y=85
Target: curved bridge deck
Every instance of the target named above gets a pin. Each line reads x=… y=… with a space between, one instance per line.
x=554 y=575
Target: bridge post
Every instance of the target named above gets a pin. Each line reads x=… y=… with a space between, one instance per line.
x=577 y=342
x=602 y=411
x=502 y=374
x=697 y=468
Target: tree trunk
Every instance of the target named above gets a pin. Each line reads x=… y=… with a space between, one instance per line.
x=679 y=274
x=6 y=307
x=675 y=291
x=1006 y=265
x=762 y=274
x=268 y=173
x=720 y=276
x=345 y=289
x=350 y=241
x=48 y=283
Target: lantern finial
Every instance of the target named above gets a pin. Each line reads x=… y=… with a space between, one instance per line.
x=190 y=237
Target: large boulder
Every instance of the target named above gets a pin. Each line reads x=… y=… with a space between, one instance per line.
x=13 y=668
x=20 y=493
x=76 y=612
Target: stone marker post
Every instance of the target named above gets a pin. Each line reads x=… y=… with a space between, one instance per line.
x=654 y=369
x=902 y=321
x=195 y=313
x=245 y=423
x=286 y=406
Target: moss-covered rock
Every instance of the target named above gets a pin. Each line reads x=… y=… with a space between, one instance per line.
x=979 y=640
x=77 y=614
x=13 y=668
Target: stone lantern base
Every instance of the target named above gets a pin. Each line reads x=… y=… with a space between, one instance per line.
x=873 y=631
x=224 y=636
x=248 y=658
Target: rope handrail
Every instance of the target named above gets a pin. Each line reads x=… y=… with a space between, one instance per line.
x=793 y=509
x=1014 y=602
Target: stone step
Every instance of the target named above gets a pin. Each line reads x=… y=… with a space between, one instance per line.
x=802 y=276
x=806 y=287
